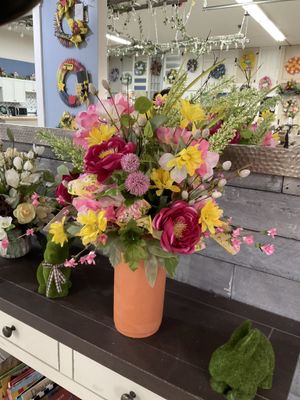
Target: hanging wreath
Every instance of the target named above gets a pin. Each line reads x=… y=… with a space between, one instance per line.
x=172 y=75
x=156 y=67
x=67 y=121
x=139 y=68
x=293 y=66
x=265 y=83
x=218 y=72
x=79 y=29
x=192 y=65
x=114 y=74
x=126 y=78
x=247 y=61
x=82 y=88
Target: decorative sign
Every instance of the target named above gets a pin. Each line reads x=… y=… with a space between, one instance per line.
x=247 y=61
x=292 y=67
x=82 y=88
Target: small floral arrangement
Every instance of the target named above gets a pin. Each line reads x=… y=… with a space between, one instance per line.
x=21 y=207
x=147 y=191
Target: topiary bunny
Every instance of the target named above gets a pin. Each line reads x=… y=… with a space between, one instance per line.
x=53 y=277
x=243 y=365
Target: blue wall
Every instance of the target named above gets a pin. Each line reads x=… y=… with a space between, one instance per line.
x=21 y=67
x=55 y=53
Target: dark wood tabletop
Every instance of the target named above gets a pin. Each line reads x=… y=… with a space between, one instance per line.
x=174 y=362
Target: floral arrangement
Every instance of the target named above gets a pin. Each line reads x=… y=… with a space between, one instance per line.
x=148 y=185
x=291 y=108
x=22 y=208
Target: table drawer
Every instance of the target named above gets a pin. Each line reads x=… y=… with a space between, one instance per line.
x=30 y=340
x=105 y=382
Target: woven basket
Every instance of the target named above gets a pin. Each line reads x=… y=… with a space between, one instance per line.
x=265 y=160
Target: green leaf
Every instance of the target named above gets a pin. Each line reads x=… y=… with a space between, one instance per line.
x=142 y=104
x=157 y=121
x=73 y=229
x=63 y=170
x=171 y=265
x=246 y=134
x=126 y=120
x=10 y=135
x=148 y=132
x=134 y=253
x=156 y=250
x=48 y=176
x=151 y=269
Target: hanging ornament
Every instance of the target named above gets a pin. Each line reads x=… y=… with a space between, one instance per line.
x=247 y=61
x=292 y=67
x=114 y=74
x=139 y=68
x=126 y=78
x=265 y=83
x=172 y=75
x=192 y=65
x=156 y=67
x=218 y=72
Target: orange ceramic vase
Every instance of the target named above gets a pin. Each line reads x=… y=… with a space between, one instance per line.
x=138 y=308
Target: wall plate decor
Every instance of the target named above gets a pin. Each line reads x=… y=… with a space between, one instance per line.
x=265 y=83
x=79 y=28
x=292 y=67
x=156 y=67
x=126 y=78
x=82 y=88
x=114 y=74
x=172 y=75
x=139 y=68
x=218 y=72
x=192 y=65
x=247 y=61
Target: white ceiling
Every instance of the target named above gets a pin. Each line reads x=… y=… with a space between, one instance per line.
x=286 y=15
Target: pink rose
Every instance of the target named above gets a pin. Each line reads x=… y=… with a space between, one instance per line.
x=103 y=159
x=180 y=228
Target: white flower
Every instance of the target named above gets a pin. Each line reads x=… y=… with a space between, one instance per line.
x=184 y=195
x=216 y=195
x=13 y=198
x=226 y=165
x=5 y=222
x=3 y=234
x=176 y=173
x=12 y=178
x=28 y=166
x=244 y=173
x=18 y=162
x=205 y=133
x=30 y=154
x=222 y=182
x=39 y=150
x=34 y=178
x=11 y=153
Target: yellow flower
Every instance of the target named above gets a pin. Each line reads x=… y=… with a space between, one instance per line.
x=101 y=134
x=163 y=180
x=94 y=224
x=210 y=217
x=189 y=158
x=57 y=230
x=267 y=114
x=191 y=113
x=25 y=213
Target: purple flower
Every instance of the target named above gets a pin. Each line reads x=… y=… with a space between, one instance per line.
x=137 y=183
x=130 y=162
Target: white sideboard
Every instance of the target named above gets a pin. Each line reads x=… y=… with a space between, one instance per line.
x=14 y=90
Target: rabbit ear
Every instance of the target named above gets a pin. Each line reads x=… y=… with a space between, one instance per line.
x=247 y=346
x=240 y=332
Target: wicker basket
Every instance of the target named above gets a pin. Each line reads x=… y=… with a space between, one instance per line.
x=265 y=160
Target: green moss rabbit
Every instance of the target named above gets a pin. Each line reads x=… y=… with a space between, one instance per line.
x=54 y=255
x=243 y=365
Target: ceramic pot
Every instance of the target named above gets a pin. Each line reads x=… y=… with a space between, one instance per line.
x=138 y=308
x=18 y=246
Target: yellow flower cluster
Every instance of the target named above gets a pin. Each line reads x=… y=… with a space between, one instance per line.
x=94 y=223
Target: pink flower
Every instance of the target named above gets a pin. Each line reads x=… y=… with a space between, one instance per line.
x=35 y=199
x=268 y=249
x=209 y=159
x=5 y=244
x=115 y=107
x=214 y=129
x=272 y=232
x=180 y=228
x=135 y=211
x=236 y=138
x=172 y=135
x=137 y=183
x=70 y=263
x=237 y=232
x=102 y=239
x=236 y=244
x=88 y=259
x=130 y=162
x=103 y=159
x=80 y=137
x=219 y=230
x=249 y=240
x=268 y=140
x=88 y=119
x=30 y=232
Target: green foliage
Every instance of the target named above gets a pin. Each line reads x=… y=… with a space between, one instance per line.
x=148 y=131
x=142 y=104
x=10 y=135
x=157 y=121
x=64 y=148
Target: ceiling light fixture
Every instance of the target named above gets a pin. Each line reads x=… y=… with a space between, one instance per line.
x=259 y=16
x=118 y=39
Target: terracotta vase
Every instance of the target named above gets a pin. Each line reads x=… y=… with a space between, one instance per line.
x=138 y=308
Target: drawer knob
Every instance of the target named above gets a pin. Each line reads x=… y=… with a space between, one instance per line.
x=129 y=396
x=7 y=331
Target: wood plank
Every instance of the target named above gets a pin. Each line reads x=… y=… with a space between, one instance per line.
x=291 y=186
x=269 y=183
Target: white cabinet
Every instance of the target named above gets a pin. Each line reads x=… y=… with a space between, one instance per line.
x=14 y=90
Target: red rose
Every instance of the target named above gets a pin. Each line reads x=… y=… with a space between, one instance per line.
x=62 y=195
x=103 y=159
x=180 y=228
